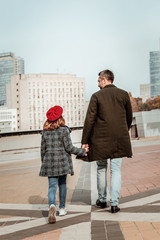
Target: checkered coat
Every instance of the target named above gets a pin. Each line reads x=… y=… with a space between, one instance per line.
x=56 y=150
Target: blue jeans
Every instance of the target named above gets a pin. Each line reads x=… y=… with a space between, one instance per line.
x=61 y=182
x=115 y=185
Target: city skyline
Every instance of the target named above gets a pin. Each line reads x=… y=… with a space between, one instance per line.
x=83 y=38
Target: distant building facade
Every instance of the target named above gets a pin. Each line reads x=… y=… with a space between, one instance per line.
x=8 y=120
x=145 y=91
x=9 y=65
x=155 y=73
x=147 y=123
x=33 y=94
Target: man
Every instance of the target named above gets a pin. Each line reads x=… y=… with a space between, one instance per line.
x=105 y=132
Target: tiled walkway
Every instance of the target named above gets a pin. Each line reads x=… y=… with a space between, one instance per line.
x=24 y=208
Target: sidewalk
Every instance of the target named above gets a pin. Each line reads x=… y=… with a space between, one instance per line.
x=24 y=208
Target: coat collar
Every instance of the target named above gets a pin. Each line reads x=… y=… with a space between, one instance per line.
x=110 y=85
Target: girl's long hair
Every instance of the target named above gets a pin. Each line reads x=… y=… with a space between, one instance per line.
x=48 y=125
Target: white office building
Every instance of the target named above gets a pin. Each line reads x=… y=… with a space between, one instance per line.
x=145 y=91
x=8 y=120
x=33 y=94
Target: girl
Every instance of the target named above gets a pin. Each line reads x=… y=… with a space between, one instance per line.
x=56 y=150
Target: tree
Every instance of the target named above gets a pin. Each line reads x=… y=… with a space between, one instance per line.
x=144 y=107
x=151 y=103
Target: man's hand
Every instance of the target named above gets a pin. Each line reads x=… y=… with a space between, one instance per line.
x=86 y=147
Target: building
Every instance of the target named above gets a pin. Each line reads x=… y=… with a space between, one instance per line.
x=147 y=123
x=8 y=120
x=33 y=94
x=145 y=91
x=133 y=130
x=9 y=65
x=155 y=73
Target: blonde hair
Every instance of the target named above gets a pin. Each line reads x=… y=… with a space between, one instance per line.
x=49 y=125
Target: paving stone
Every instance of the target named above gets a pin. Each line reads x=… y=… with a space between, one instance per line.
x=20 y=183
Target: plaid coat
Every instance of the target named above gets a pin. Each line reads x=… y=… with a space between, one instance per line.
x=56 y=150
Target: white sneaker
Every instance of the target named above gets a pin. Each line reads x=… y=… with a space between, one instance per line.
x=57 y=210
x=62 y=212
x=52 y=214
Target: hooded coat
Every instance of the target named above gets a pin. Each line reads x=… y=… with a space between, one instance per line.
x=107 y=124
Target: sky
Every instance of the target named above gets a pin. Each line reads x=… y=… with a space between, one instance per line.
x=83 y=37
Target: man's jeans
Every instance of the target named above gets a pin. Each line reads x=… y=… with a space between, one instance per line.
x=115 y=183
x=61 y=182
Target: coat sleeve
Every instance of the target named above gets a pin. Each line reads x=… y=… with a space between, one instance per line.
x=69 y=146
x=129 y=114
x=43 y=147
x=89 y=120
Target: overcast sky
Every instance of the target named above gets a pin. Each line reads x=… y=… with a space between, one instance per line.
x=83 y=37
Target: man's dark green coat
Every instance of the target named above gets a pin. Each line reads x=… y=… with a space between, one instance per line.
x=108 y=120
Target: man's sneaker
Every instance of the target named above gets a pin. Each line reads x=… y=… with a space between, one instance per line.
x=101 y=204
x=62 y=212
x=52 y=214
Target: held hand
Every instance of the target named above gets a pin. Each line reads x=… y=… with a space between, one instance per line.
x=87 y=150
x=86 y=147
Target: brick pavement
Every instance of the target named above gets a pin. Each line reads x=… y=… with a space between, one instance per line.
x=24 y=209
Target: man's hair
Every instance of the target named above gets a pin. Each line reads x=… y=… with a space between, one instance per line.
x=107 y=74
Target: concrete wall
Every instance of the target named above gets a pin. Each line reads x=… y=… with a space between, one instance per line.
x=32 y=141
x=148 y=123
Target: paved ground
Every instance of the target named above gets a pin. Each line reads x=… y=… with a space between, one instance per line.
x=24 y=208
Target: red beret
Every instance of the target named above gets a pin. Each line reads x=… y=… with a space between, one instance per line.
x=54 y=113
